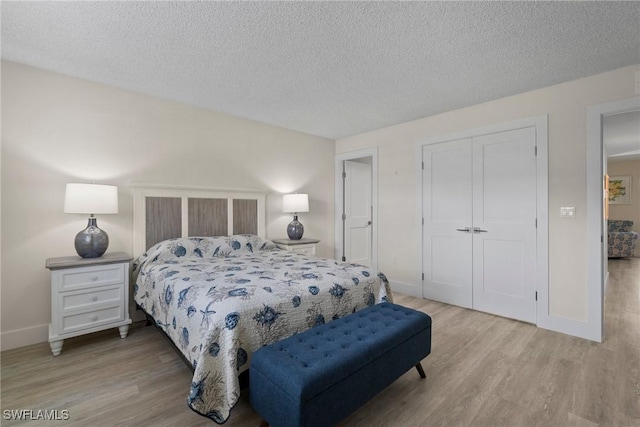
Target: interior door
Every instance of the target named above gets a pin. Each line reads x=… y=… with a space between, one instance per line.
x=447 y=202
x=504 y=221
x=357 y=212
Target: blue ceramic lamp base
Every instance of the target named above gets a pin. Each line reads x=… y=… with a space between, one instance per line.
x=295 y=229
x=91 y=242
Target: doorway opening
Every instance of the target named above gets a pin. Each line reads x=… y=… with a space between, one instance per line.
x=621 y=145
x=596 y=222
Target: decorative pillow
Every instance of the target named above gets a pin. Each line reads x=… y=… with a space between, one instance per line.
x=172 y=250
x=250 y=243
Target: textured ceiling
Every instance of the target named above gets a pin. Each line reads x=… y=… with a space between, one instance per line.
x=332 y=69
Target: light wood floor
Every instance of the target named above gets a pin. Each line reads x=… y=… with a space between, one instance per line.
x=483 y=371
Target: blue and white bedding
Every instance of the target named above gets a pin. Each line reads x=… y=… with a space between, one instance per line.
x=220 y=299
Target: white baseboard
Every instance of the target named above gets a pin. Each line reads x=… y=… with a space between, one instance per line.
x=557 y=324
x=23 y=337
x=570 y=327
x=406 y=288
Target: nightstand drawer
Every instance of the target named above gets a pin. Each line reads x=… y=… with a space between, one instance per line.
x=90 y=299
x=91 y=276
x=304 y=246
x=308 y=250
x=91 y=319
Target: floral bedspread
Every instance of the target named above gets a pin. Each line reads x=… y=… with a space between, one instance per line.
x=221 y=298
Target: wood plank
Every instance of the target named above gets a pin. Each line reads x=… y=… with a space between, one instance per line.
x=483 y=371
x=163 y=219
x=207 y=217
x=74 y=260
x=245 y=216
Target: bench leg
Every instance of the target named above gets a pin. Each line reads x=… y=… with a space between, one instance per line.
x=420 y=371
x=263 y=423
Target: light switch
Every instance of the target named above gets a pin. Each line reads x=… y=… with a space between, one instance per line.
x=568 y=212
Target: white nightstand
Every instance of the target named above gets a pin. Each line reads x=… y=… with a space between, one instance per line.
x=302 y=246
x=88 y=295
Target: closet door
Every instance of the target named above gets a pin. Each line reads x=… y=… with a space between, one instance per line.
x=447 y=201
x=504 y=220
x=479 y=233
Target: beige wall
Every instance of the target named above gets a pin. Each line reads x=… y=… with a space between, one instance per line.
x=399 y=231
x=632 y=211
x=58 y=129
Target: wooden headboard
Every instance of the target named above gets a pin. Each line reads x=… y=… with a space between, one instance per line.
x=165 y=212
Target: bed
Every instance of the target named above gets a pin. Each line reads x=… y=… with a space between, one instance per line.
x=220 y=298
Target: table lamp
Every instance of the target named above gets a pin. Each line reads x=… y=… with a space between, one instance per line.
x=294 y=203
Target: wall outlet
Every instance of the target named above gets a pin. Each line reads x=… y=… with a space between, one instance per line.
x=568 y=212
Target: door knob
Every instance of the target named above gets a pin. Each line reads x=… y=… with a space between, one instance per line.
x=479 y=230
x=466 y=229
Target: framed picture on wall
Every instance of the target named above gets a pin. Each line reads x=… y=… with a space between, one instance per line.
x=620 y=190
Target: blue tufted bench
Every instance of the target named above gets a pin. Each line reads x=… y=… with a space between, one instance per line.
x=320 y=376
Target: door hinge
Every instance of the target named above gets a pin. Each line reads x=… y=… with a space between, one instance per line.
x=422 y=276
x=601 y=239
x=344 y=259
x=344 y=175
x=422 y=221
x=344 y=217
x=536 y=295
x=535 y=150
x=536 y=222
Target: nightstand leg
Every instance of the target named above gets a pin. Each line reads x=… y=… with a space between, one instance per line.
x=124 y=330
x=56 y=347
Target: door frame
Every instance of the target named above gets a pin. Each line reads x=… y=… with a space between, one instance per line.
x=594 y=328
x=540 y=123
x=339 y=198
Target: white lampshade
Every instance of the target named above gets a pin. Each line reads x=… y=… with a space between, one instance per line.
x=91 y=199
x=295 y=203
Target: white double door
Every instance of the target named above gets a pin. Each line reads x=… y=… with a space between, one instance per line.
x=479 y=234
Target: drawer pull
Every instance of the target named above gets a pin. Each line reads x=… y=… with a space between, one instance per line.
x=94 y=298
x=94 y=318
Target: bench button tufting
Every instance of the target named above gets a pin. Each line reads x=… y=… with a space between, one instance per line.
x=369 y=325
